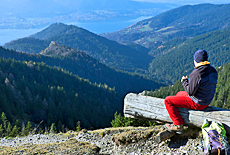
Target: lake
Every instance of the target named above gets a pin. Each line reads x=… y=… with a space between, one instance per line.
x=7 y=35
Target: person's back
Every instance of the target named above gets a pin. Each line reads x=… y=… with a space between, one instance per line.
x=202 y=84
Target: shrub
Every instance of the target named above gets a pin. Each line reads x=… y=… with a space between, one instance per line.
x=121 y=121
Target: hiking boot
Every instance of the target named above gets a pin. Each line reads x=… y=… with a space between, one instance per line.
x=174 y=128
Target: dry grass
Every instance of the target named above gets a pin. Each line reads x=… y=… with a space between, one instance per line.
x=133 y=135
x=103 y=132
x=71 y=146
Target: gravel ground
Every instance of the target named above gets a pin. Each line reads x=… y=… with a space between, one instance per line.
x=31 y=139
x=173 y=146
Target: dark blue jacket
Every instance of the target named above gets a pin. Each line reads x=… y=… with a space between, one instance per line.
x=201 y=85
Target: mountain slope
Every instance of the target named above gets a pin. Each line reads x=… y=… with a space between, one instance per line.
x=106 y=51
x=38 y=93
x=85 y=66
x=178 y=61
x=185 y=21
x=28 y=45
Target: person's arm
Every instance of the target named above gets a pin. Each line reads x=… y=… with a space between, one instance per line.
x=190 y=85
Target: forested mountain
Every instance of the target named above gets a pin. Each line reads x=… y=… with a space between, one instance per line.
x=178 y=60
x=106 y=51
x=35 y=92
x=186 y=21
x=173 y=58
x=28 y=45
x=84 y=66
x=222 y=95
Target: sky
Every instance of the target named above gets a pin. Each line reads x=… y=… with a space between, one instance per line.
x=185 y=2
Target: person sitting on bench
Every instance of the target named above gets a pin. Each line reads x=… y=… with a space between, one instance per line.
x=200 y=88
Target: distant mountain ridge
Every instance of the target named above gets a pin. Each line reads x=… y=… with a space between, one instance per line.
x=186 y=21
x=106 y=51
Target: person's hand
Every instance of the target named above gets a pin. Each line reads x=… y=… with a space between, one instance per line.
x=184 y=78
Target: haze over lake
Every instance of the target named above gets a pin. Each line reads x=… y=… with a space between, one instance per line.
x=7 y=35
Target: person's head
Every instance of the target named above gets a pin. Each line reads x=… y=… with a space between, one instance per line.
x=200 y=56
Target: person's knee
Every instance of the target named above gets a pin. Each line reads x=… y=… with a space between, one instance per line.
x=167 y=100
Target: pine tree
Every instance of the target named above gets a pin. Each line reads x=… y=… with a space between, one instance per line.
x=28 y=128
x=78 y=128
x=15 y=131
x=53 y=128
x=1 y=131
x=8 y=130
x=23 y=130
x=4 y=121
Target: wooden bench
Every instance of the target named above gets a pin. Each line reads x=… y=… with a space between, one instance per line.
x=153 y=109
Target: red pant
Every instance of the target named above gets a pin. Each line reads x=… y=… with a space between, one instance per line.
x=181 y=100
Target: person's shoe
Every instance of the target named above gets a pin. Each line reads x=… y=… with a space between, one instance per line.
x=174 y=128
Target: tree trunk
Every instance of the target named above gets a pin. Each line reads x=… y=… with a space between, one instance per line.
x=153 y=109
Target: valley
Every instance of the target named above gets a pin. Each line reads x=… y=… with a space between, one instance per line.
x=70 y=66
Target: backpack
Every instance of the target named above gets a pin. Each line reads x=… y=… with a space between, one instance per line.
x=214 y=138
